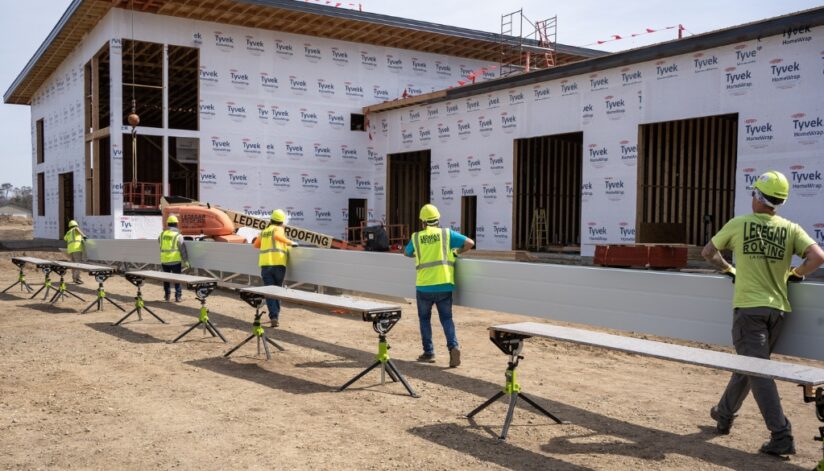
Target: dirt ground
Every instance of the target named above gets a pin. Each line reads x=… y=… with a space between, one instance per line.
x=12 y=228
x=77 y=392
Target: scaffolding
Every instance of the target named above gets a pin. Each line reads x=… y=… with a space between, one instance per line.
x=533 y=47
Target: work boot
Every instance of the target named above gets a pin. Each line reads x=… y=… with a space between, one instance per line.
x=274 y=323
x=166 y=297
x=455 y=357
x=78 y=281
x=178 y=298
x=426 y=358
x=722 y=426
x=779 y=446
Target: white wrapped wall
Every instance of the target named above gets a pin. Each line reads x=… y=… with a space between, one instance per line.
x=274 y=119
x=775 y=85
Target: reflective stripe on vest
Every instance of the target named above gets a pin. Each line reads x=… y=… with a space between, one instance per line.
x=434 y=261
x=272 y=252
x=74 y=241
x=170 y=247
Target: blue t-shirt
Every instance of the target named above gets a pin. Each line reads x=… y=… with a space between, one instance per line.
x=456 y=241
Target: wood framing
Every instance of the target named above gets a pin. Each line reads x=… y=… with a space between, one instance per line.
x=407 y=187
x=686 y=178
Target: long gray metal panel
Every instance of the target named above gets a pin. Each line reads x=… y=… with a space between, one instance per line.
x=358 y=306
x=669 y=304
x=84 y=266
x=799 y=374
x=129 y=251
x=172 y=277
x=33 y=260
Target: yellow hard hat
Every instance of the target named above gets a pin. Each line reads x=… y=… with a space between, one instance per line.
x=773 y=184
x=171 y=219
x=430 y=213
x=278 y=215
x=72 y=223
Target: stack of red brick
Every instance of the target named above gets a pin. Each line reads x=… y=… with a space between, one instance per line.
x=658 y=256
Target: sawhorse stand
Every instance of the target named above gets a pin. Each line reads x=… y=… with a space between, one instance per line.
x=47 y=283
x=139 y=305
x=817 y=396
x=512 y=345
x=202 y=292
x=382 y=323
x=100 y=277
x=256 y=300
x=21 y=278
x=62 y=289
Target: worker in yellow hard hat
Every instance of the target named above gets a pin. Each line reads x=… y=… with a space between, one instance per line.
x=435 y=249
x=172 y=255
x=274 y=256
x=763 y=245
x=75 y=245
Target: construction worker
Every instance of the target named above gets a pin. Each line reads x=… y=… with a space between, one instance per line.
x=75 y=244
x=435 y=250
x=172 y=256
x=763 y=245
x=273 y=258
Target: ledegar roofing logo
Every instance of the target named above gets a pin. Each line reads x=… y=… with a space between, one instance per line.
x=784 y=74
x=806 y=182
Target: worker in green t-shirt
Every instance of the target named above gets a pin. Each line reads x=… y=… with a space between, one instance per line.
x=763 y=245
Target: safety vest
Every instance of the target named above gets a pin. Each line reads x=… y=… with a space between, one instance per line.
x=434 y=261
x=272 y=252
x=170 y=247
x=74 y=241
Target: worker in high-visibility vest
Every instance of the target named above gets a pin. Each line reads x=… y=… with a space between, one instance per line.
x=274 y=256
x=172 y=256
x=763 y=244
x=435 y=250
x=75 y=244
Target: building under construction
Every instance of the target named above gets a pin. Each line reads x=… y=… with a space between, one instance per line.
x=345 y=117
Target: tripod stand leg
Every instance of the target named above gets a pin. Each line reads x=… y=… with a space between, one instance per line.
x=76 y=296
x=394 y=369
x=510 y=412
x=265 y=346
x=38 y=292
x=359 y=375
x=226 y=355
x=58 y=295
x=485 y=404
x=542 y=410
x=95 y=302
x=276 y=345
x=135 y=310
x=114 y=303
x=153 y=314
x=214 y=329
x=187 y=331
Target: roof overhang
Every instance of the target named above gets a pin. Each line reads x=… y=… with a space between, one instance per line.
x=279 y=15
x=701 y=42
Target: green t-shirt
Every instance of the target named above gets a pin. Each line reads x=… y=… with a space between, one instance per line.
x=763 y=246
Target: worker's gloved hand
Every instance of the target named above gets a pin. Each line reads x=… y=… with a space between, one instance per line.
x=794 y=277
x=186 y=265
x=730 y=271
x=456 y=253
x=85 y=238
x=295 y=244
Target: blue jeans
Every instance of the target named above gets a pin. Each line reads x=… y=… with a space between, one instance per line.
x=443 y=301
x=273 y=276
x=172 y=268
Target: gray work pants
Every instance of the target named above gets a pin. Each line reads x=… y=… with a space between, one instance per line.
x=754 y=333
x=76 y=257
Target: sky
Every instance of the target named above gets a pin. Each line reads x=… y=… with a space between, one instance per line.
x=24 y=25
